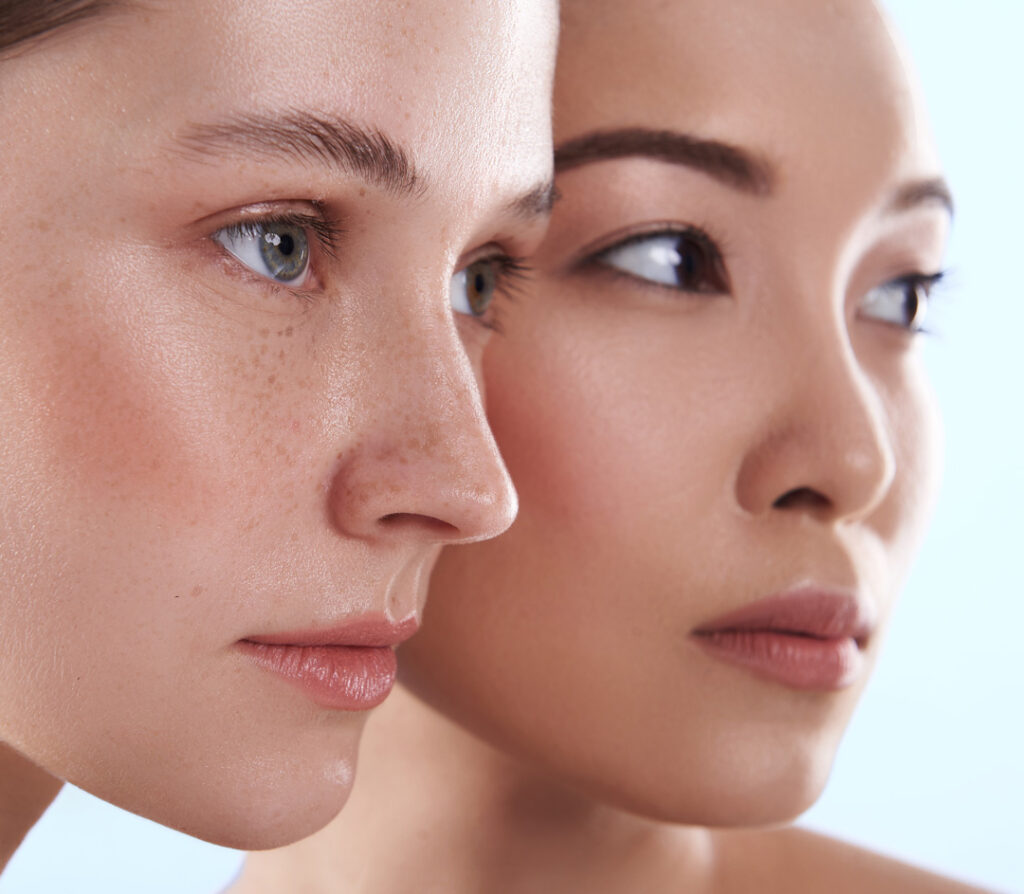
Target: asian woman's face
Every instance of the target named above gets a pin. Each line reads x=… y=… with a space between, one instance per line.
x=237 y=388
x=712 y=403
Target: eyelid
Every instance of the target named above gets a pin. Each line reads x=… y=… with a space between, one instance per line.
x=309 y=215
x=583 y=256
x=593 y=259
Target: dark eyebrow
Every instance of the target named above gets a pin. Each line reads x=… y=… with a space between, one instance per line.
x=730 y=165
x=308 y=138
x=922 y=192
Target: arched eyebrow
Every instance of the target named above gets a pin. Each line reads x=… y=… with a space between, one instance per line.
x=728 y=164
x=307 y=138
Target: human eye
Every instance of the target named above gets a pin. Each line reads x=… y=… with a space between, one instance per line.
x=901 y=302
x=474 y=287
x=277 y=247
x=683 y=259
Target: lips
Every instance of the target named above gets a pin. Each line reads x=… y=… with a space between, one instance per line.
x=805 y=639
x=348 y=667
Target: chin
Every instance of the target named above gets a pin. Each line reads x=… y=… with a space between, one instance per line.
x=739 y=784
x=254 y=803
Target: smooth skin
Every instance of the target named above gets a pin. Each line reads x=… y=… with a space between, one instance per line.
x=193 y=452
x=679 y=452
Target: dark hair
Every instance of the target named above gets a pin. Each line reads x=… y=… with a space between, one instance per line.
x=27 y=20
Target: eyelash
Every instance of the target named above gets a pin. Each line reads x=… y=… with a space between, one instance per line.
x=326 y=232
x=510 y=271
x=511 y=275
x=716 y=272
x=595 y=261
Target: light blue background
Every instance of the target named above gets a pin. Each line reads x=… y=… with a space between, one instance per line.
x=931 y=767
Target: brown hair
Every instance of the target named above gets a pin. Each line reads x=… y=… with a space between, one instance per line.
x=27 y=20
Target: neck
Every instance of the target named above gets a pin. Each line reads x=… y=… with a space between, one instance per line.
x=434 y=807
x=25 y=792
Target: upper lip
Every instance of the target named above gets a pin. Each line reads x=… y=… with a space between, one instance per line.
x=807 y=611
x=366 y=630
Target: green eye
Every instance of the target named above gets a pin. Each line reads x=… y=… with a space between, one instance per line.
x=277 y=250
x=472 y=289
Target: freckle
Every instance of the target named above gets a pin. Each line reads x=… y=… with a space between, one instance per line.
x=271 y=380
x=294 y=537
x=280 y=354
x=197 y=591
x=362 y=190
x=264 y=333
x=289 y=330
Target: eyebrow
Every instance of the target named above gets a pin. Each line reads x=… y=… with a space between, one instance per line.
x=308 y=138
x=728 y=164
x=535 y=202
x=923 y=192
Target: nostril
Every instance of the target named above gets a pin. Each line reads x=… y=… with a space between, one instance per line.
x=802 y=498
x=437 y=526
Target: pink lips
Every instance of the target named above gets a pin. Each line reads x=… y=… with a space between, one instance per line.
x=348 y=667
x=805 y=639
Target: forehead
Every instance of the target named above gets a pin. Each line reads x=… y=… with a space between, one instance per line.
x=430 y=74
x=793 y=79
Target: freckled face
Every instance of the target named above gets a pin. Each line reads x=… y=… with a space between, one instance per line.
x=217 y=427
x=710 y=394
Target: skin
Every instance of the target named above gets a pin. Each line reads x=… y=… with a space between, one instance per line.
x=677 y=456
x=194 y=454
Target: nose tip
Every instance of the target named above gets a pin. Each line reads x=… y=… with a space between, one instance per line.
x=446 y=512
x=826 y=451
x=428 y=468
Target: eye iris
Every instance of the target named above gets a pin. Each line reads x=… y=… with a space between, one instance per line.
x=480 y=284
x=285 y=251
x=914 y=306
x=692 y=269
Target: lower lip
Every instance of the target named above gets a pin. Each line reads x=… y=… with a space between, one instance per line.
x=800 y=662
x=345 y=678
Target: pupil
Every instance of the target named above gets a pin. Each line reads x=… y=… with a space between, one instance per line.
x=286 y=245
x=479 y=282
x=689 y=264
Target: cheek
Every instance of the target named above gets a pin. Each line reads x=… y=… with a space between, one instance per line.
x=141 y=455
x=917 y=443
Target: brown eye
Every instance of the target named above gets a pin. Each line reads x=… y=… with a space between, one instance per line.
x=900 y=302
x=685 y=260
x=473 y=288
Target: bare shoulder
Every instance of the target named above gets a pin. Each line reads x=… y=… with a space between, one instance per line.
x=797 y=860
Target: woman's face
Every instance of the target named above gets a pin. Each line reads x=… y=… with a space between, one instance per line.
x=712 y=403
x=235 y=400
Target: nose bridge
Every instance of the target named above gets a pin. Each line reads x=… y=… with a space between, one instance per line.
x=427 y=460
x=852 y=404
x=828 y=444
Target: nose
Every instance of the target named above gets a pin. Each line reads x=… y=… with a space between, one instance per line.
x=823 y=446
x=425 y=465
